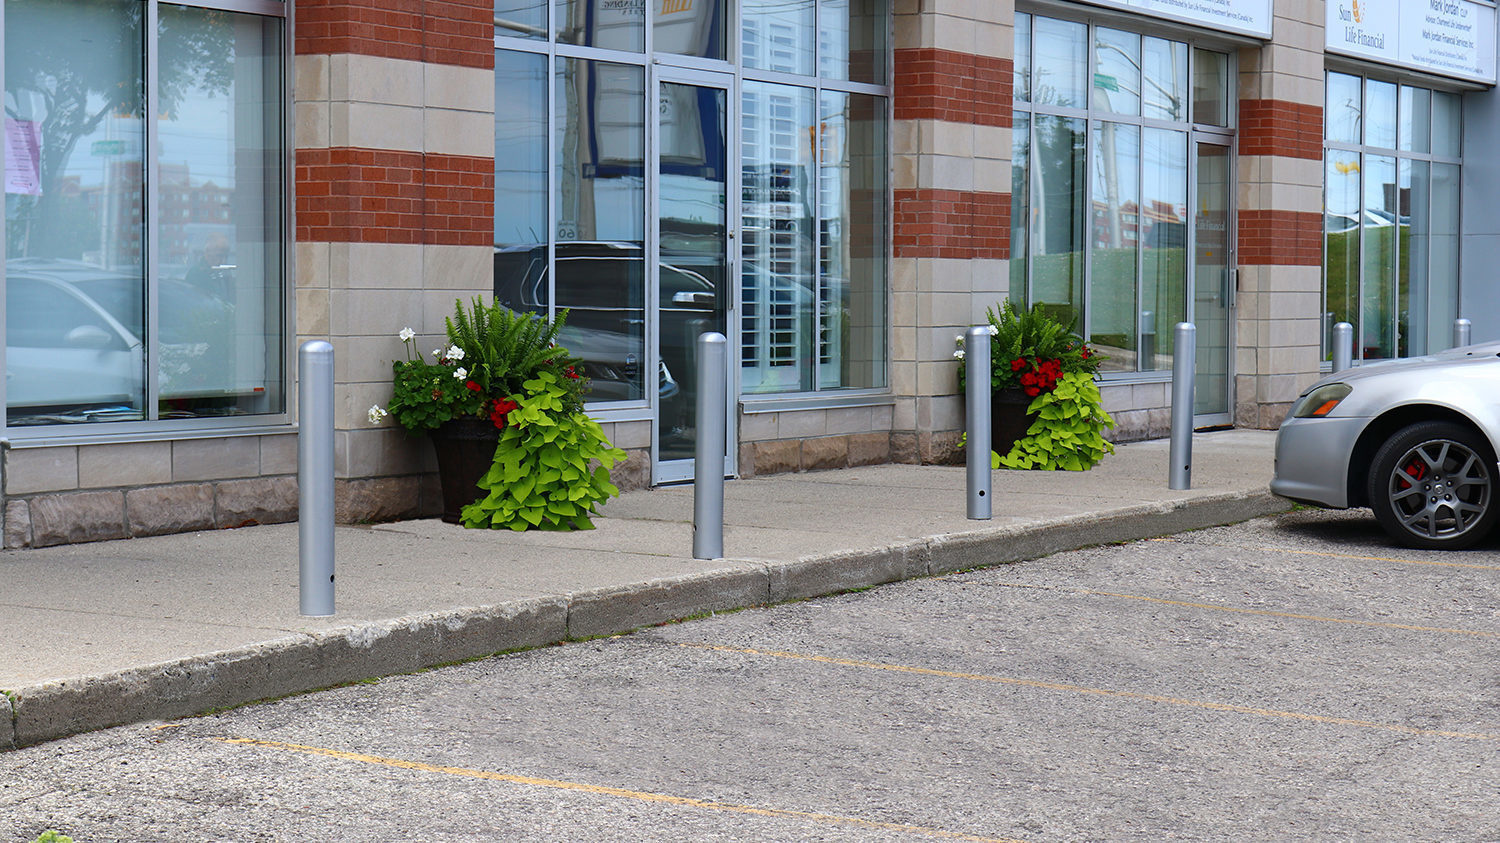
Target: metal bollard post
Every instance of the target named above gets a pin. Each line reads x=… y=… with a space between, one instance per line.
x=1343 y=346
x=1180 y=472
x=315 y=478
x=977 y=406
x=708 y=464
x=1463 y=329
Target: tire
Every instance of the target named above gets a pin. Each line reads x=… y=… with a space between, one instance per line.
x=1432 y=486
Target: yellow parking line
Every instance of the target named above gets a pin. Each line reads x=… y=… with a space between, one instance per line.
x=602 y=790
x=1243 y=611
x=1103 y=692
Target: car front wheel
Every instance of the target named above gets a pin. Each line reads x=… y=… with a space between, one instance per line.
x=1432 y=486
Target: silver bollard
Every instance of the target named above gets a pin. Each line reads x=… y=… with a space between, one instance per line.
x=977 y=414
x=1463 y=329
x=1180 y=472
x=315 y=478
x=708 y=463
x=1343 y=346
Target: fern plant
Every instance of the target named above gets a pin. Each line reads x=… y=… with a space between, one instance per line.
x=504 y=349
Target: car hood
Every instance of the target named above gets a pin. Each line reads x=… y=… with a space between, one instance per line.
x=1452 y=358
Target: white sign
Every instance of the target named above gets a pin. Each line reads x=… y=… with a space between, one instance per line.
x=1447 y=37
x=1245 y=17
x=23 y=155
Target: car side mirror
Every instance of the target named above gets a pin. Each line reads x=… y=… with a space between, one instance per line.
x=88 y=336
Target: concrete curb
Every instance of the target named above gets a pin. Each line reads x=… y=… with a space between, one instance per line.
x=301 y=662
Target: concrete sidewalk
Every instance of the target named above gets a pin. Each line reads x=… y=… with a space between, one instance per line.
x=117 y=632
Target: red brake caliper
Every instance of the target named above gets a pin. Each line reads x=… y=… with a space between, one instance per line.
x=1415 y=469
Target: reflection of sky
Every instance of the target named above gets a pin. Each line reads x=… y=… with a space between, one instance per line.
x=200 y=136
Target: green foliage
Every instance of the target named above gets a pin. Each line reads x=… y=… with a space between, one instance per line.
x=50 y=836
x=428 y=394
x=1067 y=432
x=504 y=349
x=1021 y=339
x=551 y=465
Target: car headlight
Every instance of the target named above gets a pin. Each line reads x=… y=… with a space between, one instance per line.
x=1321 y=401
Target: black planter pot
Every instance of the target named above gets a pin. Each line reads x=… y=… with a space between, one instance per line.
x=465 y=450
x=1008 y=418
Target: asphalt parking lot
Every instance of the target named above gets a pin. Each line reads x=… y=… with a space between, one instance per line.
x=1296 y=677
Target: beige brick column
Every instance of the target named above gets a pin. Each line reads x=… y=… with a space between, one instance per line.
x=951 y=145
x=1280 y=216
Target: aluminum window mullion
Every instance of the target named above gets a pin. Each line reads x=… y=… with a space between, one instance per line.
x=152 y=220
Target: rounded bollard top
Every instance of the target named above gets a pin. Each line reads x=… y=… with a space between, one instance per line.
x=316 y=347
x=712 y=337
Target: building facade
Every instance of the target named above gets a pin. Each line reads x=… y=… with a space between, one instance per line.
x=840 y=186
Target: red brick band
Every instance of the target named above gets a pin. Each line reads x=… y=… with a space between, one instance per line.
x=933 y=84
x=1276 y=127
x=347 y=195
x=1280 y=238
x=453 y=32
x=951 y=224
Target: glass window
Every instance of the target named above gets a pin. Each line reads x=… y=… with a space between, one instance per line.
x=1164 y=221
x=1380 y=114
x=1212 y=97
x=779 y=270
x=1442 y=275
x=74 y=209
x=1061 y=62
x=1415 y=132
x=521 y=18
x=77 y=228
x=521 y=225
x=1059 y=145
x=1117 y=71
x=1414 y=242
x=1021 y=81
x=601 y=220
x=852 y=229
x=1164 y=93
x=1020 y=205
x=688 y=27
x=1116 y=235
x=853 y=39
x=1341 y=212
x=1446 y=124
x=220 y=147
x=1375 y=331
x=610 y=24
x=779 y=36
x=1341 y=112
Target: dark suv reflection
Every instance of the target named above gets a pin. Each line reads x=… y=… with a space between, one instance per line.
x=602 y=286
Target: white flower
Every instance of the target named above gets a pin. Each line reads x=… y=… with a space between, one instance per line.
x=377 y=414
x=437 y=353
x=959 y=354
x=461 y=373
x=959 y=340
x=453 y=353
x=993 y=330
x=406 y=334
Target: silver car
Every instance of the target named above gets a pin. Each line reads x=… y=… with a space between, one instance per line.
x=1414 y=440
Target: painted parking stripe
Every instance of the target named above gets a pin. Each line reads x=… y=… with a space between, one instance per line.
x=601 y=790
x=1102 y=692
x=1217 y=607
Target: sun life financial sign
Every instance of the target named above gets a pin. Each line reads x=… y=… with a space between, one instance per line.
x=1453 y=38
x=1243 y=17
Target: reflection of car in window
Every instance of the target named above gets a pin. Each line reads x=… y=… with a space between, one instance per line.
x=602 y=286
x=74 y=338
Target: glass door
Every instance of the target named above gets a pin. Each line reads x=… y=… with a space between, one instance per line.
x=1213 y=284
x=692 y=258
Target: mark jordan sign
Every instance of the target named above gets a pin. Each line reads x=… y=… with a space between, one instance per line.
x=1446 y=37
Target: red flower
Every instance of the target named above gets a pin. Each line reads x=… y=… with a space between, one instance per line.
x=1033 y=391
x=1085 y=353
x=1018 y=364
x=570 y=373
x=500 y=409
x=472 y=386
x=1028 y=379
